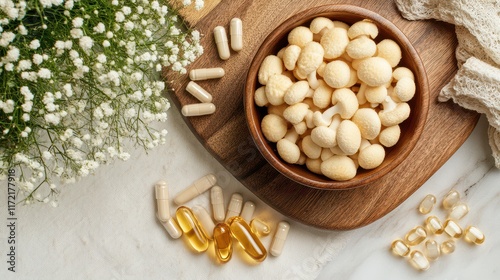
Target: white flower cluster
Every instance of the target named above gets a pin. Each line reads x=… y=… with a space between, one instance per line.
x=79 y=79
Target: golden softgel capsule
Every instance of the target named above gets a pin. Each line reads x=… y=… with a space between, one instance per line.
x=432 y=250
x=453 y=229
x=205 y=220
x=399 y=248
x=241 y=231
x=450 y=199
x=259 y=227
x=419 y=261
x=458 y=211
x=415 y=236
x=192 y=229
x=448 y=246
x=434 y=225
x=474 y=235
x=223 y=242
x=427 y=204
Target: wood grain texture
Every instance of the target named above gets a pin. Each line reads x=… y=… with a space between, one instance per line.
x=226 y=136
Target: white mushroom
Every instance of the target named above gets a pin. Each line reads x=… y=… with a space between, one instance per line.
x=321 y=69
x=271 y=65
x=290 y=56
x=273 y=127
x=348 y=137
x=337 y=74
x=341 y=24
x=312 y=79
x=301 y=127
x=322 y=96
x=326 y=136
x=405 y=89
x=310 y=58
x=260 y=97
x=314 y=165
x=339 y=168
x=389 y=136
x=310 y=149
x=361 y=94
x=326 y=154
x=370 y=155
x=345 y=104
x=390 y=51
x=375 y=71
x=368 y=123
x=287 y=149
x=296 y=113
x=361 y=47
x=363 y=28
x=300 y=36
x=334 y=42
x=319 y=25
x=393 y=113
x=376 y=95
x=401 y=72
x=296 y=92
x=276 y=87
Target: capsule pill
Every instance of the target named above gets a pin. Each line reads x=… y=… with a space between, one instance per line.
x=205 y=220
x=458 y=211
x=221 y=42
x=434 y=225
x=415 y=236
x=474 y=235
x=419 y=261
x=453 y=229
x=217 y=201
x=248 y=210
x=161 y=194
x=250 y=243
x=279 y=238
x=198 y=109
x=236 y=31
x=193 y=231
x=427 y=204
x=235 y=205
x=223 y=242
x=432 y=250
x=259 y=227
x=206 y=73
x=198 y=187
x=448 y=246
x=171 y=227
x=450 y=199
x=198 y=92
x=398 y=247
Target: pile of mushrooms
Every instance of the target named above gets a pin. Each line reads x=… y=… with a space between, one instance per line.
x=335 y=97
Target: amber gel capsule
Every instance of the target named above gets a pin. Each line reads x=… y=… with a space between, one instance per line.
x=192 y=229
x=241 y=231
x=204 y=219
x=200 y=93
x=236 y=31
x=217 y=200
x=206 y=74
x=259 y=227
x=223 y=242
x=198 y=187
x=221 y=42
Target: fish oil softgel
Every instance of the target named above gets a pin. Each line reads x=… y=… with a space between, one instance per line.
x=259 y=227
x=432 y=250
x=415 y=236
x=252 y=245
x=427 y=204
x=400 y=248
x=419 y=261
x=448 y=247
x=434 y=225
x=193 y=230
x=450 y=199
x=474 y=235
x=223 y=242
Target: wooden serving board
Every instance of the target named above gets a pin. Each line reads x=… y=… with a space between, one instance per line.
x=226 y=136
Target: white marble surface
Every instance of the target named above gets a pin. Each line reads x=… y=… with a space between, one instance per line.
x=104 y=227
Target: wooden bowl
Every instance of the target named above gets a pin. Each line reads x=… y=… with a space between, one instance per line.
x=411 y=128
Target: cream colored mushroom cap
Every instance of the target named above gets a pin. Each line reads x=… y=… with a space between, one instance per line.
x=389 y=136
x=374 y=71
x=276 y=87
x=337 y=74
x=288 y=151
x=310 y=58
x=371 y=157
x=271 y=65
x=361 y=47
x=296 y=93
x=349 y=102
x=300 y=36
x=324 y=136
x=273 y=127
x=339 y=168
x=348 y=137
x=395 y=116
x=389 y=50
x=334 y=42
x=368 y=123
x=296 y=113
x=290 y=56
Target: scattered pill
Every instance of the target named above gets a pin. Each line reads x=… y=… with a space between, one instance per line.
x=427 y=204
x=448 y=246
x=206 y=74
x=279 y=238
x=195 y=189
x=199 y=109
x=161 y=194
x=221 y=42
x=415 y=236
x=205 y=220
x=250 y=243
x=450 y=199
x=236 y=31
x=474 y=235
x=458 y=211
x=434 y=225
x=235 y=205
x=432 y=250
x=399 y=248
x=452 y=229
x=259 y=227
x=200 y=93
x=419 y=261
x=171 y=227
x=217 y=201
x=193 y=231
x=248 y=210
x=223 y=242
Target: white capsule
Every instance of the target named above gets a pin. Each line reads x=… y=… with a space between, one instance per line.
x=199 y=109
x=221 y=42
x=217 y=200
x=205 y=220
x=206 y=74
x=236 y=31
x=247 y=212
x=171 y=227
x=198 y=92
x=234 y=207
x=195 y=189
x=279 y=238
x=161 y=194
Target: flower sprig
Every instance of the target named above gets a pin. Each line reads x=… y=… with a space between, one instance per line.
x=78 y=80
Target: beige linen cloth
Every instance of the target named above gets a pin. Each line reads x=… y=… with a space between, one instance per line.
x=476 y=86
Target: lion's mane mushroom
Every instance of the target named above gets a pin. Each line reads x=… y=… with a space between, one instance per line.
x=296 y=93
x=273 y=127
x=368 y=123
x=276 y=87
x=337 y=74
x=348 y=137
x=390 y=51
x=290 y=56
x=287 y=149
x=375 y=71
x=370 y=155
x=389 y=136
x=310 y=58
x=393 y=113
x=300 y=36
x=334 y=42
x=296 y=113
x=340 y=168
x=326 y=136
x=271 y=65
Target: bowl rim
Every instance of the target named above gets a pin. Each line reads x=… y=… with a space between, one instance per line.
x=298 y=19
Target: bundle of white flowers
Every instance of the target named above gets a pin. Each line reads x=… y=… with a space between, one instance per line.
x=79 y=78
